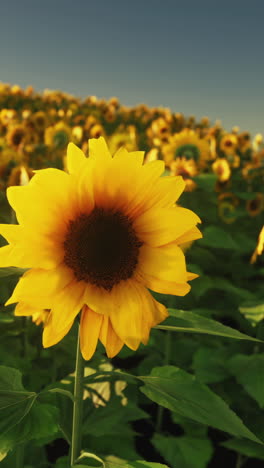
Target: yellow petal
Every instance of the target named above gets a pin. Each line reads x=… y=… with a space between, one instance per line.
x=157 y=226
x=191 y=276
x=24 y=310
x=45 y=201
x=5 y=255
x=134 y=157
x=164 y=193
x=154 y=312
x=75 y=158
x=141 y=188
x=127 y=316
x=37 y=287
x=98 y=150
x=67 y=304
x=165 y=287
x=189 y=236
x=51 y=335
x=165 y=263
x=11 y=232
x=89 y=331
x=109 y=338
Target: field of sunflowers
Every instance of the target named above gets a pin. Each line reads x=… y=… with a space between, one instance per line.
x=190 y=394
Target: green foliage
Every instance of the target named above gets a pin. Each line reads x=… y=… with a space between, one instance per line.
x=184 y=451
x=249 y=372
x=22 y=417
x=189 y=322
x=181 y=392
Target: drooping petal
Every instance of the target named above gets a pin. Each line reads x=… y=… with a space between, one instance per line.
x=90 y=327
x=67 y=304
x=109 y=338
x=126 y=316
x=51 y=335
x=24 y=310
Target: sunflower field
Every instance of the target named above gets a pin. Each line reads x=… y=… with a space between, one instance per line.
x=131 y=286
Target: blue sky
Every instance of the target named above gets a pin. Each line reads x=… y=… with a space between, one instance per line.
x=196 y=57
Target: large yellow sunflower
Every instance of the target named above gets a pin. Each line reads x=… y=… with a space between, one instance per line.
x=95 y=240
x=186 y=144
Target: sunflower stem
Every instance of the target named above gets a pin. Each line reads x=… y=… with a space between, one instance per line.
x=166 y=362
x=20 y=456
x=77 y=405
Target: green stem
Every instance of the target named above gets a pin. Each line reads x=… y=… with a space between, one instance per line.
x=77 y=405
x=20 y=456
x=166 y=362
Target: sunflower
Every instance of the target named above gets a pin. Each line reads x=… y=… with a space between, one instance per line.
x=96 y=131
x=126 y=137
x=58 y=136
x=228 y=144
x=158 y=132
x=222 y=169
x=186 y=144
x=94 y=240
x=244 y=142
x=186 y=168
x=40 y=121
x=256 y=205
x=17 y=136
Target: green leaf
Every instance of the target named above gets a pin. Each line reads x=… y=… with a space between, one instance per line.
x=188 y=322
x=112 y=418
x=185 y=451
x=134 y=464
x=249 y=372
x=253 y=313
x=22 y=418
x=245 y=447
x=14 y=406
x=181 y=392
x=218 y=238
x=10 y=271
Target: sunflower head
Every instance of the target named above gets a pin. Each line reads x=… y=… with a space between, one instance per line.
x=96 y=131
x=126 y=138
x=222 y=169
x=40 y=121
x=256 y=205
x=58 y=136
x=16 y=136
x=95 y=240
x=228 y=144
x=186 y=144
x=186 y=168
